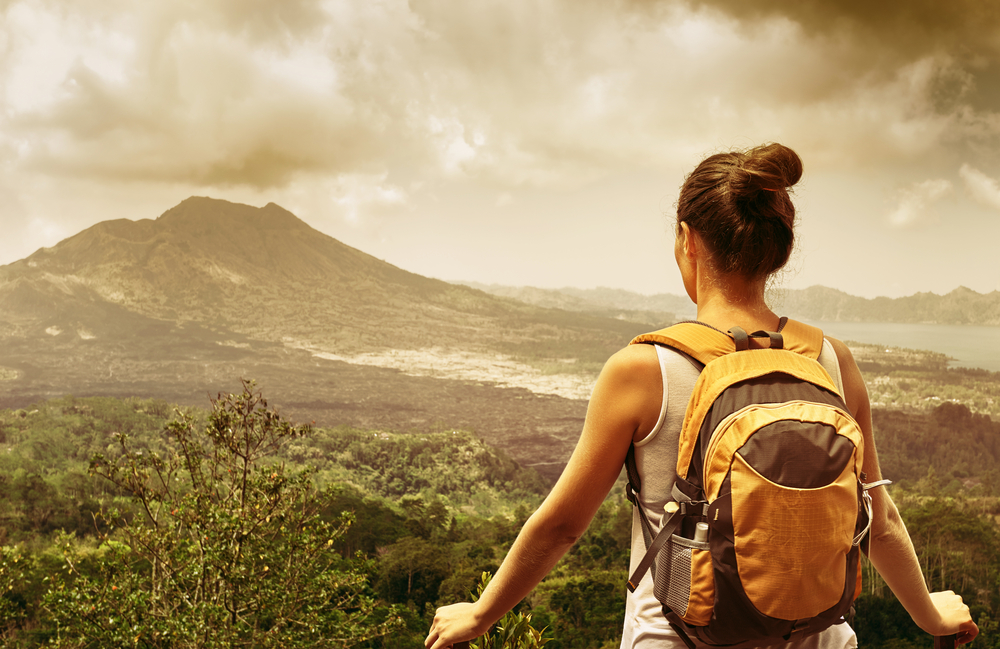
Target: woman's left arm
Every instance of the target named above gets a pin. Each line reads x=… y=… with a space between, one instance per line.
x=890 y=548
x=625 y=404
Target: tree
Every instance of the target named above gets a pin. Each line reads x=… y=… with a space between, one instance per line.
x=12 y=576
x=411 y=570
x=221 y=547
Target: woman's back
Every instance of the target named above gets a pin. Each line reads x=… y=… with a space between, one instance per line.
x=735 y=228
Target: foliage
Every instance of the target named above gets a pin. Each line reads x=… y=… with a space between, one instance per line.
x=883 y=622
x=583 y=600
x=607 y=542
x=927 y=384
x=958 y=546
x=12 y=576
x=951 y=449
x=454 y=466
x=958 y=549
x=44 y=482
x=512 y=631
x=440 y=558
x=63 y=434
x=225 y=547
x=585 y=610
x=431 y=512
x=377 y=523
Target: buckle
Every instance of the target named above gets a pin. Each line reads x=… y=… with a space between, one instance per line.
x=695 y=508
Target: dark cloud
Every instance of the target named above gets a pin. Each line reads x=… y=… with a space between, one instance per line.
x=888 y=34
x=911 y=27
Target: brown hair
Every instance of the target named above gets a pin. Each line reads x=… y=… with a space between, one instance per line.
x=738 y=202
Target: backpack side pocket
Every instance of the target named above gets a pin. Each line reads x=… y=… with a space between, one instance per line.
x=684 y=580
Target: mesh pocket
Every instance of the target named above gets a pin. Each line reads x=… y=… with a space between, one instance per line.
x=672 y=585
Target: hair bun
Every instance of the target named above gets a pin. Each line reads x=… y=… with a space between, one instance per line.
x=738 y=203
x=767 y=168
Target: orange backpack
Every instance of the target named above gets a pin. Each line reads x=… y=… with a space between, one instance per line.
x=761 y=542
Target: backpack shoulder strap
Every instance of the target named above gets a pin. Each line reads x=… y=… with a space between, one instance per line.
x=699 y=341
x=705 y=343
x=802 y=338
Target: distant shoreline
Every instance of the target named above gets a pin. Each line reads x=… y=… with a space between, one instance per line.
x=972 y=346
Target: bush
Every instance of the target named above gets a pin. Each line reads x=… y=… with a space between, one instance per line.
x=218 y=546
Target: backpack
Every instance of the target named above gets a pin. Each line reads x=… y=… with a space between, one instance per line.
x=761 y=541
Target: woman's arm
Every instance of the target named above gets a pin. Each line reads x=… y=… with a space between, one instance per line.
x=890 y=550
x=625 y=404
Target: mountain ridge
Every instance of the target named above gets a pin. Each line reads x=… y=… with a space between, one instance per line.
x=195 y=245
x=264 y=273
x=185 y=305
x=962 y=305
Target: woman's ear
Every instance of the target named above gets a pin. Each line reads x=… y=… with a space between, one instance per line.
x=686 y=248
x=690 y=242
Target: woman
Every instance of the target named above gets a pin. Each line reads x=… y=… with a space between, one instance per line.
x=735 y=224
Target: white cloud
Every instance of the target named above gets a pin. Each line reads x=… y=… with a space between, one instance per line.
x=44 y=44
x=355 y=193
x=984 y=189
x=548 y=93
x=454 y=149
x=913 y=203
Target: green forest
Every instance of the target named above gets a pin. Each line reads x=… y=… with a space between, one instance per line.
x=132 y=523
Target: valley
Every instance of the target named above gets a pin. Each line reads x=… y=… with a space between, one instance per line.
x=182 y=307
x=191 y=363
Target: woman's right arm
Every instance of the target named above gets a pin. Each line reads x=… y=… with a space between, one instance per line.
x=625 y=403
x=891 y=550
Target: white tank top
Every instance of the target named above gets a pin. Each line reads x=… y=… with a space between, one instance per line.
x=656 y=460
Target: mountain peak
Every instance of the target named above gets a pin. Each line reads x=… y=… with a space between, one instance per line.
x=199 y=212
x=207 y=255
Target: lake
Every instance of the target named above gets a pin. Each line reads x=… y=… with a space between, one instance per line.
x=970 y=346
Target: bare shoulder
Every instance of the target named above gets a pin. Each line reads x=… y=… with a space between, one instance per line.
x=633 y=362
x=629 y=391
x=855 y=392
x=848 y=366
x=843 y=351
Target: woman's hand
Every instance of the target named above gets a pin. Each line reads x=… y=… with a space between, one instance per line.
x=954 y=617
x=455 y=623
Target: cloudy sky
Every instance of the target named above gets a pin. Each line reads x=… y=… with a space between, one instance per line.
x=525 y=142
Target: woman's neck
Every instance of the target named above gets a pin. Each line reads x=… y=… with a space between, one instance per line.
x=735 y=302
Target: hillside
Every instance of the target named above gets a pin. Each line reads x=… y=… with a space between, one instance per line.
x=184 y=305
x=421 y=537
x=653 y=311
x=265 y=274
x=961 y=306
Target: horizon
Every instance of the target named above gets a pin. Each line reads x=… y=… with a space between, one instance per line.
x=775 y=288
x=778 y=287
x=524 y=143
